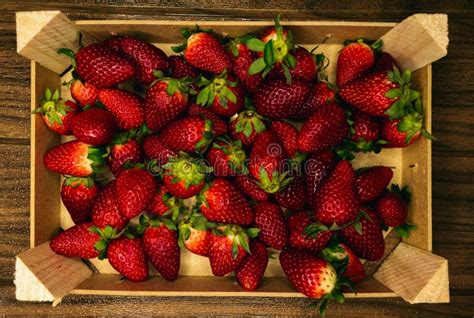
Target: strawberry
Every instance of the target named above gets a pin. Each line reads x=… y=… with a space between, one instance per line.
x=164 y=102
x=105 y=211
x=100 y=65
x=222 y=202
x=203 y=51
x=184 y=176
x=392 y=208
x=337 y=200
x=223 y=95
x=384 y=62
x=354 y=60
x=266 y=163
x=300 y=238
x=147 y=57
x=77 y=241
x=293 y=196
x=382 y=94
x=278 y=100
x=365 y=237
x=160 y=242
x=194 y=234
x=220 y=126
x=246 y=127
x=402 y=133
x=127 y=256
x=164 y=203
x=126 y=107
x=250 y=272
x=134 y=189
x=340 y=254
x=288 y=137
x=317 y=167
x=94 y=126
x=227 y=158
x=78 y=195
x=371 y=182
x=155 y=150
x=326 y=127
x=228 y=248
x=312 y=276
x=123 y=151
x=190 y=134
x=83 y=93
x=57 y=113
x=365 y=133
x=269 y=218
x=305 y=67
x=251 y=188
x=74 y=158
x=179 y=68
x=243 y=58
x=321 y=93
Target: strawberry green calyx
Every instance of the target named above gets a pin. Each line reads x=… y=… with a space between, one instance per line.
x=404 y=192
x=195 y=221
x=275 y=182
x=249 y=121
x=186 y=169
x=336 y=293
x=186 y=33
x=235 y=154
x=412 y=124
x=78 y=181
x=217 y=88
x=374 y=45
x=52 y=106
x=240 y=236
x=175 y=205
x=175 y=85
x=233 y=44
x=207 y=137
x=97 y=157
x=313 y=229
x=106 y=234
x=124 y=137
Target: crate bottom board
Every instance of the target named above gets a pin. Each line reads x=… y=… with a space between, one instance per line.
x=199 y=286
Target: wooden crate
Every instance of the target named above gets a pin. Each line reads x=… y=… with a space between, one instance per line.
x=412 y=165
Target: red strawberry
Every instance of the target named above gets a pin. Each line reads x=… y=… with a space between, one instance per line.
x=134 y=189
x=365 y=237
x=293 y=196
x=392 y=206
x=94 y=126
x=126 y=107
x=147 y=57
x=250 y=188
x=74 y=158
x=305 y=67
x=160 y=242
x=227 y=158
x=354 y=60
x=365 y=133
x=164 y=102
x=288 y=137
x=155 y=150
x=123 y=152
x=327 y=127
x=266 y=163
x=384 y=62
x=78 y=195
x=220 y=126
x=127 y=256
x=84 y=93
x=222 y=202
x=243 y=58
x=300 y=238
x=179 y=68
x=229 y=246
x=370 y=183
x=194 y=234
x=205 y=52
x=308 y=274
x=250 y=272
x=223 y=95
x=164 y=203
x=278 y=100
x=381 y=94
x=77 y=241
x=321 y=93
x=101 y=65
x=269 y=218
x=317 y=167
x=337 y=200
x=189 y=134
x=105 y=211
x=341 y=253
x=184 y=176
x=246 y=127
x=401 y=133
x=57 y=113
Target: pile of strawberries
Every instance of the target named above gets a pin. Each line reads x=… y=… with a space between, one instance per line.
x=200 y=151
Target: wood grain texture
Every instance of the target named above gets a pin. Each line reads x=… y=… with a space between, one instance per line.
x=453 y=153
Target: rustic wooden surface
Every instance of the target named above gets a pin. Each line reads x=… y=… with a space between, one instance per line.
x=453 y=153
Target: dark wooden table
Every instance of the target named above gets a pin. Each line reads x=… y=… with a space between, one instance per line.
x=453 y=153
